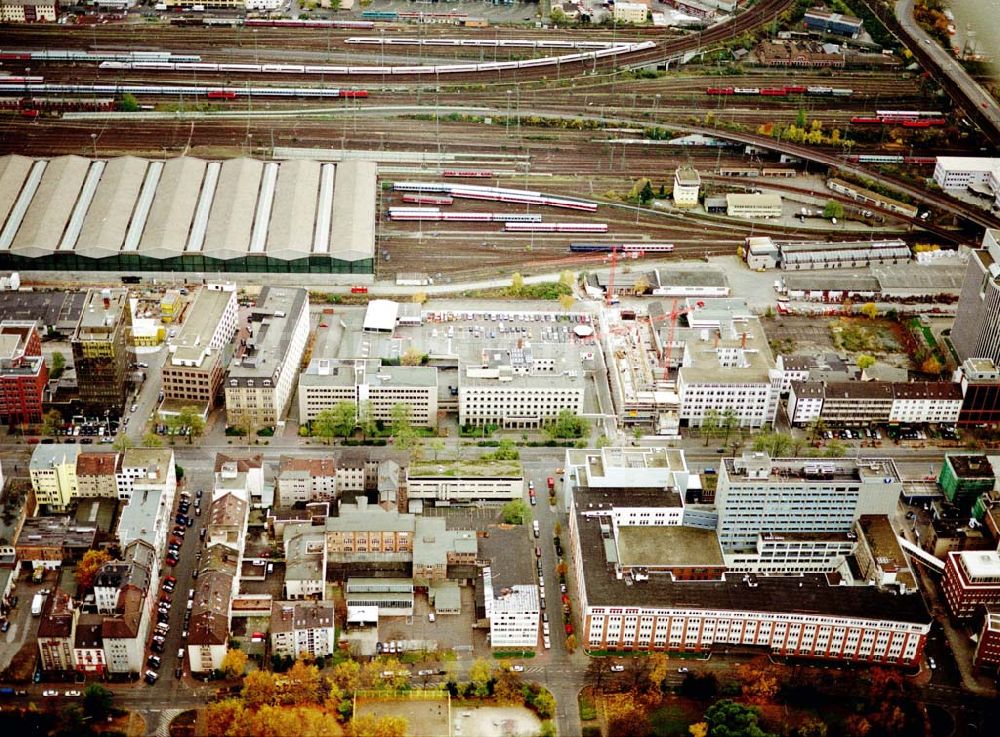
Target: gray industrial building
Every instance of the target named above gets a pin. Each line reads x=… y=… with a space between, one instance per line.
x=134 y=215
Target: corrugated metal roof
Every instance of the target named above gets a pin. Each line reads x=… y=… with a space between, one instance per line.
x=21 y=203
x=82 y=205
x=231 y=219
x=50 y=208
x=264 y=205
x=13 y=171
x=106 y=223
x=324 y=210
x=169 y=220
x=353 y=228
x=293 y=216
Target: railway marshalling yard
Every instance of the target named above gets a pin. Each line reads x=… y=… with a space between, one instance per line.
x=589 y=129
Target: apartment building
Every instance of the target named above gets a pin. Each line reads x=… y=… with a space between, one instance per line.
x=102 y=355
x=630 y=12
x=444 y=482
x=242 y=476
x=306 y=480
x=208 y=636
x=687 y=183
x=57 y=632
x=862 y=403
x=976 y=332
x=147 y=479
x=372 y=387
x=305 y=562
x=88 y=646
x=725 y=366
x=263 y=373
x=53 y=474
x=302 y=628
x=97 y=475
x=521 y=386
x=29 y=11
x=138 y=568
x=197 y=358
x=226 y=523
x=971 y=582
x=757 y=493
x=23 y=373
x=627 y=609
x=125 y=633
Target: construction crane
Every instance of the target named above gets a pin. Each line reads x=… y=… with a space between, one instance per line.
x=672 y=316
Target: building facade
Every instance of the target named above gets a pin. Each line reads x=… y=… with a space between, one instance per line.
x=687 y=184
x=959 y=172
x=29 y=11
x=53 y=474
x=302 y=629
x=971 y=582
x=57 y=632
x=23 y=373
x=96 y=475
x=262 y=375
x=458 y=482
x=965 y=477
x=757 y=493
x=196 y=362
x=976 y=332
x=101 y=353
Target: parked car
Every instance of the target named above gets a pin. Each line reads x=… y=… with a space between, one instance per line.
x=617 y=668
x=151 y=676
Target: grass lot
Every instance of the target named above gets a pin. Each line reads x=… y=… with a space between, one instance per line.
x=864 y=336
x=674 y=716
x=588 y=710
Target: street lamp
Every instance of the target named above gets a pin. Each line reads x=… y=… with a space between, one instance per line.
x=93 y=142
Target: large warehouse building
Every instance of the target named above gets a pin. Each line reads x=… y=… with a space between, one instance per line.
x=134 y=215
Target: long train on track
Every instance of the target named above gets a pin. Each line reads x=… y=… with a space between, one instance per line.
x=493 y=194
x=434 y=214
x=628 y=248
x=780 y=91
x=496 y=66
x=516 y=227
x=210 y=92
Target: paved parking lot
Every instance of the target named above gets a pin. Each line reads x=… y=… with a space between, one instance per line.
x=450 y=631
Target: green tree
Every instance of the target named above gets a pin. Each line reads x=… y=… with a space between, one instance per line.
x=337 y=420
x=129 y=103
x=567 y=279
x=97 y=701
x=646 y=194
x=567 y=425
x=402 y=426
x=436 y=445
x=816 y=428
x=729 y=422
x=506 y=451
x=190 y=417
x=479 y=676
x=800 y=118
x=412 y=357
x=516 y=284
x=151 y=440
x=58 y=365
x=51 y=422
x=710 y=424
x=865 y=361
x=366 y=419
x=514 y=512
x=728 y=719
x=833 y=209
x=835 y=449
x=545 y=704
x=122 y=443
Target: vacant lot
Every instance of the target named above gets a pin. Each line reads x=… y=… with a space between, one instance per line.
x=424 y=718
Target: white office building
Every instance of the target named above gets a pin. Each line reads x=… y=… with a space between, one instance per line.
x=523 y=386
x=263 y=372
x=513 y=612
x=460 y=482
x=756 y=493
x=960 y=172
x=687 y=183
x=373 y=388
